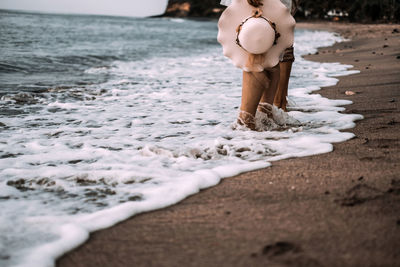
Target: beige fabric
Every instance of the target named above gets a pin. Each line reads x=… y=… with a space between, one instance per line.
x=287 y=3
x=237 y=12
x=226 y=2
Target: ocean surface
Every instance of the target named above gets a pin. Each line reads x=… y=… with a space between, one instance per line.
x=102 y=118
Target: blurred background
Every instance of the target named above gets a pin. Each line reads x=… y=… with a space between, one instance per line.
x=131 y=8
x=337 y=10
x=365 y=11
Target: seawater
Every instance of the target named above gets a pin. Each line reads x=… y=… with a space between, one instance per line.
x=102 y=118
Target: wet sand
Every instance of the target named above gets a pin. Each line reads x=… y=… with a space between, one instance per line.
x=336 y=209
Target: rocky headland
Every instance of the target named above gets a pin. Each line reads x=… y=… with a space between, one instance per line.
x=194 y=8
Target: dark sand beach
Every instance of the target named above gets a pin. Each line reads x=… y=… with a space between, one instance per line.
x=335 y=209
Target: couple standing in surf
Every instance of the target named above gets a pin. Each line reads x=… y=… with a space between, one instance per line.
x=258 y=36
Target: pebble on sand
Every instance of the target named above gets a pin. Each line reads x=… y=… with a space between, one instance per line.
x=349 y=93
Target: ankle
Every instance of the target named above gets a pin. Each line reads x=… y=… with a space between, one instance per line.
x=266 y=108
x=247 y=119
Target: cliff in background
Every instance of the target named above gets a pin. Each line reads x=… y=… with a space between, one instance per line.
x=194 y=8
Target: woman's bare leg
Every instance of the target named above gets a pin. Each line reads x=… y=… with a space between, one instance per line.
x=254 y=85
x=281 y=95
x=286 y=67
x=270 y=90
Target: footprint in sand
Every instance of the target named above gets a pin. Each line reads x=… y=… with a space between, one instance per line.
x=394 y=187
x=359 y=194
x=288 y=254
x=280 y=248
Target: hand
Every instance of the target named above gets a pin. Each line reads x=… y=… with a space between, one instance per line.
x=255 y=3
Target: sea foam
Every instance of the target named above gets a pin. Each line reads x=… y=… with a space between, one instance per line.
x=157 y=132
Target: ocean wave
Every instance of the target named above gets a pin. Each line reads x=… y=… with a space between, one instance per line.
x=9 y=68
x=155 y=132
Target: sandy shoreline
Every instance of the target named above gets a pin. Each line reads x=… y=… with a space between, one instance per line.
x=334 y=209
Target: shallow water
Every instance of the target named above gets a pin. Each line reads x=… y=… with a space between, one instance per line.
x=102 y=118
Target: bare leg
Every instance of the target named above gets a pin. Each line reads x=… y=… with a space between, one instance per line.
x=280 y=98
x=270 y=90
x=254 y=85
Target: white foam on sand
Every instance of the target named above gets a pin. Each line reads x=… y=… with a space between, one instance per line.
x=156 y=134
